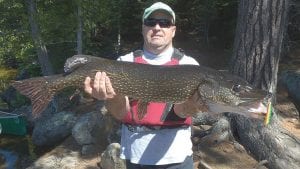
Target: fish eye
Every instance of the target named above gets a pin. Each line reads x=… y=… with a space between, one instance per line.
x=236 y=88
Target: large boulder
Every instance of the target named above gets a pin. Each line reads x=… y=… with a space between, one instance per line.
x=49 y=131
x=86 y=131
x=94 y=128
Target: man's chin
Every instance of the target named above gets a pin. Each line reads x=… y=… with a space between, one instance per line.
x=157 y=45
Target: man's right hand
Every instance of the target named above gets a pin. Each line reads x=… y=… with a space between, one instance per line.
x=101 y=88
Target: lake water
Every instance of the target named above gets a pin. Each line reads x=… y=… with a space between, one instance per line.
x=16 y=151
x=10 y=159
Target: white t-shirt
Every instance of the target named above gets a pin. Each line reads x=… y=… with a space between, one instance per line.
x=157 y=147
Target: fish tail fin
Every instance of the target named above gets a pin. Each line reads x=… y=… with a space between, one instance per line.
x=37 y=90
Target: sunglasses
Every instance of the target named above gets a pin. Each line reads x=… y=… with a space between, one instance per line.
x=163 y=23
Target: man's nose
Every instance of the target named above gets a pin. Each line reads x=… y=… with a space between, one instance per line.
x=157 y=26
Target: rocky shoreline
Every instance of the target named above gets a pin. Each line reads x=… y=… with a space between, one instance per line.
x=82 y=130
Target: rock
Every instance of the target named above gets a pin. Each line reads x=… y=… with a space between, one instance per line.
x=58 y=158
x=66 y=99
x=66 y=155
x=290 y=80
x=218 y=133
x=9 y=96
x=49 y=131
x=26 y=112
x=110 y=158
x=94 y=128
x=83 y=127
x=285 y=106
x=48 y=113
x=89 y=149
x=85 y=131
x=112 y=129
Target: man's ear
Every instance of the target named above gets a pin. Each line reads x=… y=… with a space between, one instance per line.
x=142 y=32
x=174 y=31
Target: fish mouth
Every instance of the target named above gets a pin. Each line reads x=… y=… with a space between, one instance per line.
x=256 y=100
x=253 y=107
x=254 y=96
x=221 y=108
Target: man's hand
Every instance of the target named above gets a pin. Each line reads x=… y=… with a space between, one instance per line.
x=190 y=107
x=101 y=88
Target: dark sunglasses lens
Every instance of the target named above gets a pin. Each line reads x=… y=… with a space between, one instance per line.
x=150 y=22
x=163 y=23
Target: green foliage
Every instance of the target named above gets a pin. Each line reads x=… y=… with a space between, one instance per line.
x=103 y=22
x=57 y=21
x=211 y=22
x=58 y=53
x=16 y=47
x=6 y=75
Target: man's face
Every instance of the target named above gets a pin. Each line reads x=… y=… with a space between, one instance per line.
x=157 y=36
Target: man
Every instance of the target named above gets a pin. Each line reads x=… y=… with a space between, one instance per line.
x=161 y=139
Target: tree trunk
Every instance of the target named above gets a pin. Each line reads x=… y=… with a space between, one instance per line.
x=258 y=41
x=257 y=48
x=271 y=143
x=36 y=36
x=79 y=28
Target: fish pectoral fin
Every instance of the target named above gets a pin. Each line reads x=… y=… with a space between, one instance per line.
x=199 y=102
x=142 y=109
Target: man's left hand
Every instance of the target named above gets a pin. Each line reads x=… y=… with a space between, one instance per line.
x=190 y=107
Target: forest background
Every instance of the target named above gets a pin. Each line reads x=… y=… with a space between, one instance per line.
x=248 y=37
x=36 y=37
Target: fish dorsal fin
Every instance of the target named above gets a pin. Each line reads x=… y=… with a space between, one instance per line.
x=74 y=62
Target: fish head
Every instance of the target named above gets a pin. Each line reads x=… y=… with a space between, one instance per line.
x=232 y=95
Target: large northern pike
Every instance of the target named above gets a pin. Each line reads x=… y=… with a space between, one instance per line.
x=217 y=91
